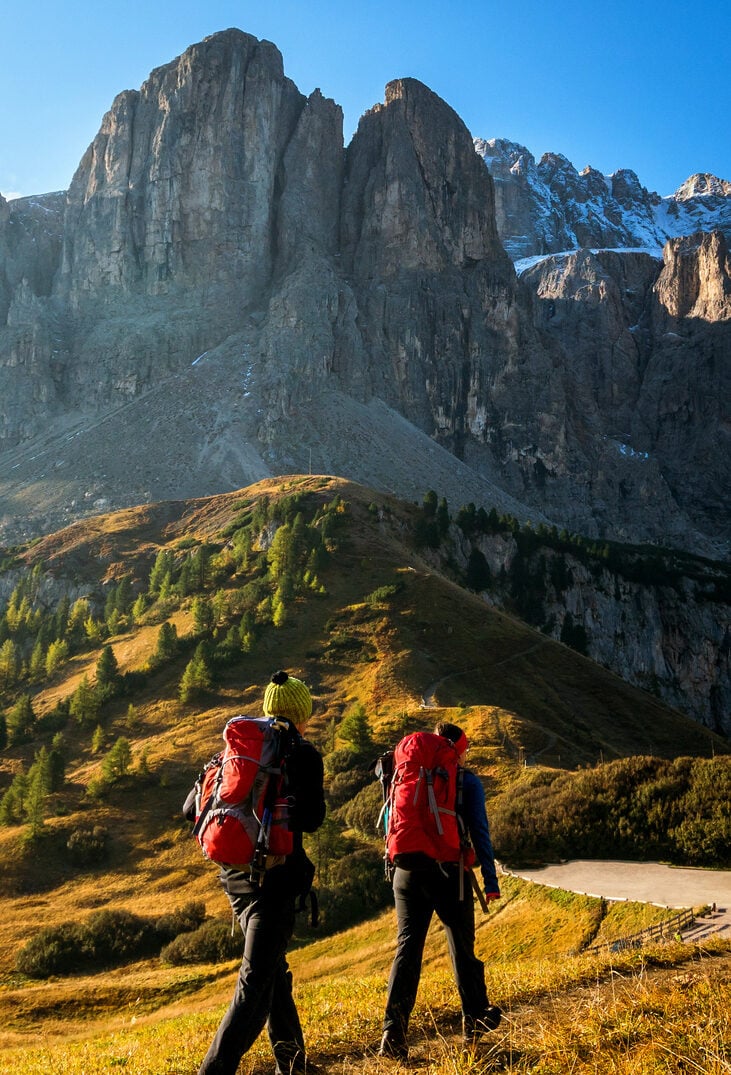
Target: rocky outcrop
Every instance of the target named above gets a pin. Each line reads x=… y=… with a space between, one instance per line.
x=550 y=207
x=31 y=235
x=661 y=623
x=646 y=345
x=436 y=293
x=696 y=280
x=177 y=189
x=225 y=271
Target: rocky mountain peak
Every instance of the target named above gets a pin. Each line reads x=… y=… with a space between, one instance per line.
x=423 y=196
x=552 y=207
x=228 y=293
x=703 y=184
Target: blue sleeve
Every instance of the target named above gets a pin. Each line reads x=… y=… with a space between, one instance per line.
x=473 y=806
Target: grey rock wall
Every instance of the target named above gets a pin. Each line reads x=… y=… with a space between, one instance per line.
x=217 y=212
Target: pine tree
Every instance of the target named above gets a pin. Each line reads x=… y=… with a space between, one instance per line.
x=79 y=614
x=221 y=607
x=85 y=704
x=442 y=518
x=279 y=611
x=39 y=788
x=12 y=804
x=355 y=729
x=93 y=629
x=57 y=762
x=139 y=608
x=162 y=570
x=117 y=761
x=57 y=655
x=9 y=664
x=61 y=618
x=132 y=717
x=202 y=615
x=197 y=676
x=37 y=665
x=167 y=643
x=20 y=720
x=108 y=678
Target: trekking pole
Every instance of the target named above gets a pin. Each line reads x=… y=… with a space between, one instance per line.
x=478 y=890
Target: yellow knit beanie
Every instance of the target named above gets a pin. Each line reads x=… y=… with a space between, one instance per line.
x=288 y=697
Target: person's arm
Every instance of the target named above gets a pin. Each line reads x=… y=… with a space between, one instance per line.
x=473 y=805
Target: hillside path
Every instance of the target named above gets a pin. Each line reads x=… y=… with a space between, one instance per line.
x=647 y=882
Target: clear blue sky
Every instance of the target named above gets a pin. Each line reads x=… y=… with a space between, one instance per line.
x=638 y=84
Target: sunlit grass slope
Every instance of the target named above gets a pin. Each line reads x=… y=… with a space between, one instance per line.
x=384 y=630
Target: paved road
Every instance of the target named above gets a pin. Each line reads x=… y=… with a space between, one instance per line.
x=647 y=882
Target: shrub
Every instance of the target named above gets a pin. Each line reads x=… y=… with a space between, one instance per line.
x=186 y=920
x=345 y=786
x=637 y=808
x=88 y=846
x=106 y=939
x=362 y=812
x=340 y=761
x=383 y=594
x=111 y=937
x=210 y=943
x=51 y=951
x=358 y=886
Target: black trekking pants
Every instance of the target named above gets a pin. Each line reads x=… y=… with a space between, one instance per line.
x=419 y=893
x=263 y=995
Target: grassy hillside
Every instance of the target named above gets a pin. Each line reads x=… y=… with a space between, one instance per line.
x=323 y=578
x=662 y=1009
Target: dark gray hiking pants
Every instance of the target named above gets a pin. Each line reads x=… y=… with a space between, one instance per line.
x=263 y=995
x=419 y=893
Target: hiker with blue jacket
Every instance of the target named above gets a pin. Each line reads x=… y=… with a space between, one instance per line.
x=265 y=906
x=432 y=875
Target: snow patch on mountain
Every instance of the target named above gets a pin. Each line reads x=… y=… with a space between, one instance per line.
x=549 y=207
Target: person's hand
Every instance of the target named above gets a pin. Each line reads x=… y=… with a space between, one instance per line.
x=490 y=896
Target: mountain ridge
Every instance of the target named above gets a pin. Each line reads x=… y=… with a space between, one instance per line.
x=359 y=278
x=548 y=207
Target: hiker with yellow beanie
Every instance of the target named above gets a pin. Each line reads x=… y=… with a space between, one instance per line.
x=265 y=907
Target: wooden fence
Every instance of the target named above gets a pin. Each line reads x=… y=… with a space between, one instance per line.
x=662 y=931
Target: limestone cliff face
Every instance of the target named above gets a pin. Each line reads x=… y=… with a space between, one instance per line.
x=416 y=196
x=687 y=378
x=646 y=347
x=217 y=213
x=31 y=234
x=177 y=189
x=696 y=279
x=664 y=626
x=436 y=293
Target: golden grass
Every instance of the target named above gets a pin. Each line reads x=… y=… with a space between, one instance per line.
x=150 y=1019
x=517 y=694
x=664 y=1010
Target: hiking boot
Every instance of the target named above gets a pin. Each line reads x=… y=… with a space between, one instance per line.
x=393 y=1046
x=473 y=1029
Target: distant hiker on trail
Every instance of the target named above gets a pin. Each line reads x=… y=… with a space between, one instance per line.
x=263 y=871
x=435 y=816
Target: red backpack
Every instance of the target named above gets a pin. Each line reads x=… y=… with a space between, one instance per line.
x=241 y=804
x=423 y=801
